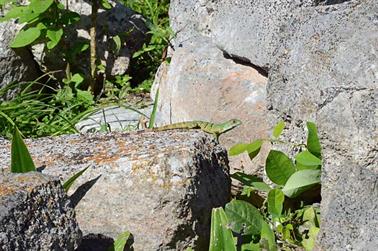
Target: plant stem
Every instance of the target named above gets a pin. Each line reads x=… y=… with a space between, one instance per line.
x=92 y=32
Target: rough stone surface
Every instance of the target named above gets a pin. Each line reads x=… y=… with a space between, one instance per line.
x=202 y=84
x=247 y=29
x=35 y=214
x=15 y=65
x=117 y=119
x=327 y=72
x=119 y=20
x=159 y=186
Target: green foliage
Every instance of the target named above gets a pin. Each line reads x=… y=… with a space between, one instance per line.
x=243 y=217
x=221 y=238
x=120 y=242
x=154 y=110
x=45 y=21
x=21 y=161
x=313 y=143
x=279 y=167
x=292 y=222
x=275 y=202
x=146 y=61
x=43 y=112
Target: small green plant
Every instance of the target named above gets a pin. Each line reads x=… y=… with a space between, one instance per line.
x=120 y=242
x=147 y=60
x=283 y=217
x=40 y=110
x=22 y=162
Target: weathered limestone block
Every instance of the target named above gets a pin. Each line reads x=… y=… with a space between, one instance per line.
x=35 y=214
x=250 y=30
x=201 y=83
x=327 y=72
x=159 y=186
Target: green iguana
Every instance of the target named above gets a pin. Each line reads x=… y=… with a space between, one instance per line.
x=212 y=128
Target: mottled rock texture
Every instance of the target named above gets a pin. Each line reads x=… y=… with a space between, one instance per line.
x=327 y=72
x=321 y=61
x=35 y=214
x=202 y=83
x=159 y=186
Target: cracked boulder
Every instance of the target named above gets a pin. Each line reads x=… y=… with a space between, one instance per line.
x=35 y=214
x=247 y=29
x=159 y=186
x=203 y=83
x=327 y=72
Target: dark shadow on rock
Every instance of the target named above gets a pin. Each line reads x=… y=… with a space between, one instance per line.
x=330 y=2
x=100 y=242
x=80 y=192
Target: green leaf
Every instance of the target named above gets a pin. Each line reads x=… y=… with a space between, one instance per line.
x=40 y=6
x=279 y=167
x=120 y=242
x=237 y=149
x=309 y=243
x=21 y=161
x=313 y=143
x=25 y=37
x=84 y=97
x=252 y=148
x=105 y=4
x=301 y=181
x=307 y=160
x=221 y=238
x=275 y=202
x=117 y=41
x=64 y=95
x=267 y=237
x=71 y=180
x=54 y=36
x=243 y=217
x=28 y=16
x=77 y=79
x=251 y=247
x=154 y=110
x=278 y=129
x=251 y=181
x=15 y=12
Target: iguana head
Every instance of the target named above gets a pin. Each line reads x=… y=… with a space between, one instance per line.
x=230 y=124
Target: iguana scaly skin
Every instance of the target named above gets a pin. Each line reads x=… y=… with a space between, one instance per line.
x=215 y=129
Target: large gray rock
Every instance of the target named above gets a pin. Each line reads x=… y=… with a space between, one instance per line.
x=15 y=64
x=35 y=214
x=201 y=83
x=250 y=30
x=327 y=72
x=159 y=186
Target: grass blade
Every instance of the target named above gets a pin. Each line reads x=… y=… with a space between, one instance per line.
x=21 y=161
x=154 y=109
x=71 y=180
